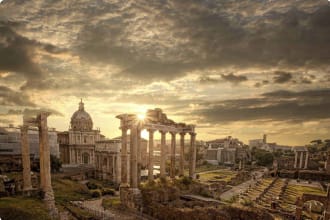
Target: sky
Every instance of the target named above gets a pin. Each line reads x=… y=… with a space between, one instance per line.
x=232 y=67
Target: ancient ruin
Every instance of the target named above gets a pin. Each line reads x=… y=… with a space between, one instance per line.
x=45 y=174
x=155 y=120
x=325 y=200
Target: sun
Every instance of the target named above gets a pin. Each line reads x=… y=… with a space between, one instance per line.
x=141 y=117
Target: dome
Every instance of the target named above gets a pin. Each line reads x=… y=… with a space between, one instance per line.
x=81 y=120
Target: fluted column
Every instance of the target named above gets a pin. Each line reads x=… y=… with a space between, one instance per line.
x=192 y=164
x=295 y=159
x=44 y=153
x=151 y=155
x=306 y=160
x=173 y=145
x=124 y=181
x=26 y=158
x=163 y=154
x=301 y=160
x=139 y=165
x=133 y=158
x=181 y=167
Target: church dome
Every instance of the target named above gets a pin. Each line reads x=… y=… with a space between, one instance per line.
x=81 y=120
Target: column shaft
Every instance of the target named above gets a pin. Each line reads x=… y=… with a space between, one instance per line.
x=26 y=158
x=306 y=160
x=43 y=131
x=192 y=155
x=182 y=161
x=163 y=154
x=295 y=159
x=301 y=160
x=151 y=156
x=173 y=145
x=133 y=158
x=124 y=181
x=139 y=154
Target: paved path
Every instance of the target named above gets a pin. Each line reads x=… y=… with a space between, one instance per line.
x=241 y=187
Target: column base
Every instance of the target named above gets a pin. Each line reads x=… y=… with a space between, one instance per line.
x=49 y=200
x=30 y=192
x=131 y=198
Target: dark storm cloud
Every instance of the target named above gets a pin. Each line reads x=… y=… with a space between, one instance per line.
x=16 y=52
x=233 y=78
x=164 y=40
x=282 y=77
x=275 y=106
x=12 y=98
x=215 y=34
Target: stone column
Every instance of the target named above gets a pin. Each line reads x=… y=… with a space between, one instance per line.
x=192 y=164
x=301 y=160
x=139 y=165
x=173 y=145
x=181 y=168
x=295 y=159
x=133 y=158
x=45 y=157
x=44 y=153
x=151 y=155
x=124 y=181
x=26 y=158
x=306 y=160
x=163 y=154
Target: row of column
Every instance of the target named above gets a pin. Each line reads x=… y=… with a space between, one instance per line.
x=300 y=155
x=45 y=172
x=135 y=155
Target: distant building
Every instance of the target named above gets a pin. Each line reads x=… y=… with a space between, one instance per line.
x=226 y=151
x=10 y=147
x=77 y=145
x=10 y=141
x=83 y=145
x=262 y=144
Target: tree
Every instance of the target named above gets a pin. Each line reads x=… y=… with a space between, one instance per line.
x=55 y=163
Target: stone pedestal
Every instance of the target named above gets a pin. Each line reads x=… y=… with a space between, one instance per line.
x=131 y=198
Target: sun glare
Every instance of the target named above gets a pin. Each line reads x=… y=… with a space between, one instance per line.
x=141 y=116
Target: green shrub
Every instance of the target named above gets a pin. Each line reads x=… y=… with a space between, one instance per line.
x=108 y=191
x=96 y=193
x=92 y=185
x=186 y=180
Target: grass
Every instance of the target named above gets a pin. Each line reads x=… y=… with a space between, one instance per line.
x=113 y=202
x=223 y=175
x=67 y=190
x=20 y=208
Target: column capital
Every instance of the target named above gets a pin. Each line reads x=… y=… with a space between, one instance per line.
x=173 y=133
x=151 y=130
x=192 y=133
x=162 y=132
x=183 y=133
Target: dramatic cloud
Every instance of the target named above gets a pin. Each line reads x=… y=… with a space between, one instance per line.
x=206 y=62
x=282 y=77
x=12 y=98
x=274 y=106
